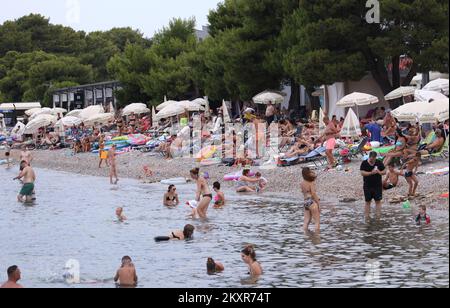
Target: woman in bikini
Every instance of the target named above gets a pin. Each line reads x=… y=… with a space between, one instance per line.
x=171 y=197
x=248 y=255
x=312 y=201
x=203 y=195
x=400 y=146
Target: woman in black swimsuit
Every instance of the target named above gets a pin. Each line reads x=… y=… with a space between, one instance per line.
x=171 y=197
x=186 y=234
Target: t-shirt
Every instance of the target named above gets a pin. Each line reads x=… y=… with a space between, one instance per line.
x=376 y=180
x=375 y=132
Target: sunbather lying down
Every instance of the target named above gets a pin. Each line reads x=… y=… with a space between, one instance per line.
x=300 y=148
x=319 y=152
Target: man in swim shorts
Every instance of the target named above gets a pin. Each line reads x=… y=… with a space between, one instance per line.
x=29 y=177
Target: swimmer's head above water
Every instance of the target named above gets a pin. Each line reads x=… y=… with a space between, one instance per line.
x=248 y=254
x=211 y=266
x=188 y=232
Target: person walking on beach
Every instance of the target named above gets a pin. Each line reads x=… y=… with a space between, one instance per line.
x=312 y=201
x=126 y=276
x=29 y=177
x=329 y=135
x=203 y=195
x=101 y=150
x=14 y=275
x=113 y=165
x=373 y=171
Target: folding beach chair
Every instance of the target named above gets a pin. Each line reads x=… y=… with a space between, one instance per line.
x=359 y=151
x=441 y=154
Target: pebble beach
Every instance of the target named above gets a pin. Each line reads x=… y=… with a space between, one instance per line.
x=344 y=185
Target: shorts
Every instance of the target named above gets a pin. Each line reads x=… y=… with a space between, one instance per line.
x=409 y=174
x=27 y=189
x=373 y=194
x=331 y=144
x=7 y=154
x=103 y=155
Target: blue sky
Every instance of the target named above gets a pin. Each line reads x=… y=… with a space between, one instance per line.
x=90 y=15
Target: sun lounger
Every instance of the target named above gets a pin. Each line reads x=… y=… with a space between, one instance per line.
x=316 y=156
x=442 y=154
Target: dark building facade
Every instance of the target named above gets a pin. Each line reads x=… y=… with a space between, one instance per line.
x=82 y=96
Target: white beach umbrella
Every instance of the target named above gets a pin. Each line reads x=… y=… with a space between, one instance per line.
x=91 y=111
x=357 y=99
x=111 y=108
x=322 y=125
x=100 y=119
x=351 y=127
x=42 y=120
x=400 y=92
x=410 y=112
x=41 y=112
x=136 y=108
x=154 y=118
x=32 y=111
x=200 y=101
x=69 y=121
x=226 y=113
x=74 y=113
x=207 y=108
x=266 y=97
x=170 y=111
x=165 y=104
x=191 y=106
x=438 y=85
x=18 y=129
x=435 y=111
x=426 y=96
x=57 y=111
x=2 y=123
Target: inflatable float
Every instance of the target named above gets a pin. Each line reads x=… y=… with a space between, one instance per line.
x=174 y=181
x=206 y=153
x=138 y=139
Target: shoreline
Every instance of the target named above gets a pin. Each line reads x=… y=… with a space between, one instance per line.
x=332 y=185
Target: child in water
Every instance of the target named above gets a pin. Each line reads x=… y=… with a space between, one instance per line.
x=219 y=199
x=262 y=184
x=423 y=218
x=119 y=214
x=392 y=177
x=312 y=201
x=126 y=275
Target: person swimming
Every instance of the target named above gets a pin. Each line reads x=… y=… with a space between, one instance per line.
x=248 y=255
x=219 y=199
x=213 y=267
x=120 y=216
x=126 y=275
x=186 y=234
x=171 y=197
x=422 y=218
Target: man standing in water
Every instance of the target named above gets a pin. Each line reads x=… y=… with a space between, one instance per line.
x=373 y=171
x=14 y=275
x=29 y=177
x=113 y=165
